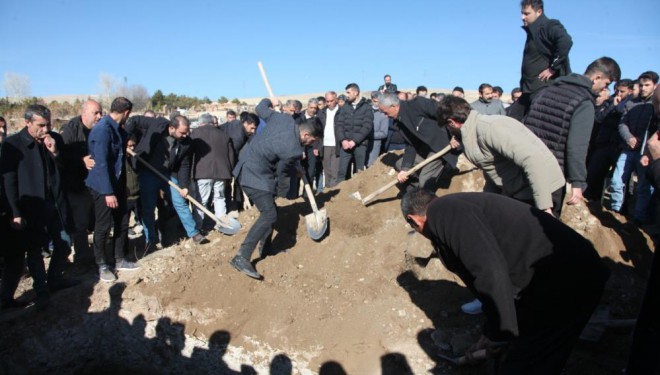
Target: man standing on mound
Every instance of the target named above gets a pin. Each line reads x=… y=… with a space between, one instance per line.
x=257 y=171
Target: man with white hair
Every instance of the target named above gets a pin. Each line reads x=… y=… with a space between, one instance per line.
x=213 y=157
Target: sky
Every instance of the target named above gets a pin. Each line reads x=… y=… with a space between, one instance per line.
x=211 y=47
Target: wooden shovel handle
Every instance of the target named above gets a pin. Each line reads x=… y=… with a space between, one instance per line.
x=265 y=79
x=412 y=170
x=178 y=189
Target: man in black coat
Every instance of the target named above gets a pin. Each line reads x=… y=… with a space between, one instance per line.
x=76 y=163
x=538 y=279
x=545 y=56
x=239 y=131
x=30 y=165
x=166 y=147
x=213 y=159
x=276 y=148
x=418 y=122
x=644 y=350
x=353 y=125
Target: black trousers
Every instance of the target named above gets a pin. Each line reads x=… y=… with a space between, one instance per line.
x=30 y=241
x=358 y=154
x=108 y=219
x=82 y=213
x=602 y=160
x=645 y=350
x=262 y=228
x=552 y=311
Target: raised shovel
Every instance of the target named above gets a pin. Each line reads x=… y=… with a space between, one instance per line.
x=317 y=221
x=226 y=224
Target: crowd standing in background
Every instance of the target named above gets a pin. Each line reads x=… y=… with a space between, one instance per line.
x=559 y=127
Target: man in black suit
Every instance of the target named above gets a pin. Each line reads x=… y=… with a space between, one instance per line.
x=538 y=279
x=277 y=147
x=418 y=122
x=30 y=166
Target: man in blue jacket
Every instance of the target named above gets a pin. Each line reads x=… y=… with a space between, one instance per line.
x=107 y=184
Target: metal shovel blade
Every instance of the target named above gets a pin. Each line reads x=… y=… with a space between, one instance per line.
x=230 y=226
x=317 y=224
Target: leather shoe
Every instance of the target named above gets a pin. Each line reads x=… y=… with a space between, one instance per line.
x=243 y=265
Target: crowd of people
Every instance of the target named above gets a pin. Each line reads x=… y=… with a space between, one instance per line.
x=560 y=127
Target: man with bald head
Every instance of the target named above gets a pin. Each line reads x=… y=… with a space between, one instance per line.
x=77 y=163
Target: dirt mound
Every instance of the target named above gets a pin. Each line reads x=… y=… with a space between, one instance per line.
x=367 y=298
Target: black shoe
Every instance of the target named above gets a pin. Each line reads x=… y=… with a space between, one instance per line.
x=62 y=284
x=243 y=265
x=200 y=240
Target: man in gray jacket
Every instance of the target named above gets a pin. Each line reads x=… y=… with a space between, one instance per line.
x=486 y=105
x=278 y=146
x=515 y=162
x=381 y=127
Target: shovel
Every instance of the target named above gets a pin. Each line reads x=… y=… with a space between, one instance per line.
x=317 y=221
x=409 y=172
x=227 y=224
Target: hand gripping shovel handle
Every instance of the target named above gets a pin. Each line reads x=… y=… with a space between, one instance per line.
x=412 y=170
x=177 y=188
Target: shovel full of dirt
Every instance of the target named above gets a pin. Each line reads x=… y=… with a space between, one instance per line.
x=317 y=221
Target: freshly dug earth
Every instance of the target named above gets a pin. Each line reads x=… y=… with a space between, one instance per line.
x=366 y=299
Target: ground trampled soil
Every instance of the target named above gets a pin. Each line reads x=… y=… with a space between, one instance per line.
x=366 y=299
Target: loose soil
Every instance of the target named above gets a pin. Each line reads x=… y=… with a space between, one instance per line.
x=367 y=299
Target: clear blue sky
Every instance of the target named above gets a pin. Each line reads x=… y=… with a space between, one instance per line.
x=211 y=47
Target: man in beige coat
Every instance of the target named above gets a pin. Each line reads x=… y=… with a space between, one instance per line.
x=515 y=162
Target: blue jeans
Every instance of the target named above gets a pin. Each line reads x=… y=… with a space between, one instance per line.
x=627 y=162
x=150 y=186
x=644 y=194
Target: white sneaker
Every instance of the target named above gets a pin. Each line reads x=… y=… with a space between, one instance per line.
x=472 y=307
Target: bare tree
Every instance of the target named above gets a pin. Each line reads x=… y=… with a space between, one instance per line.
x=112 y=87
x=107 y=85
x=17 y=85
x=140 y=97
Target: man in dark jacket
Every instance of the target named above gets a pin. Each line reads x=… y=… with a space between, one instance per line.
x=562 y=115
x=388 y=86
x=107 y=184
x=166 y=147
x=353 y=126
x=645 y=347
x=636 y=125
x=278 y=146
x=30 y=165
x=607 y=144
x=538 y=279
x=239 y=131
x=213 y=158
x=418 y=122
x=545 y=56
x=77 y=161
